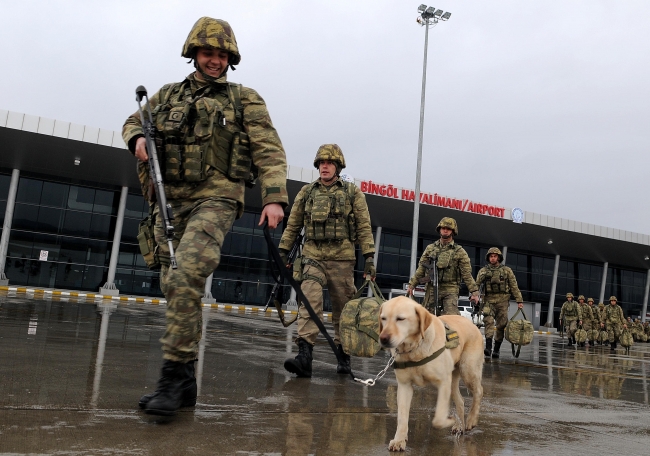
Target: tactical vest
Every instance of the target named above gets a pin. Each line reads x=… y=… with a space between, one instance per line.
x=444 y=258
x=496 y=281
x=571 y=310
x=198 y=132
x=613 y=314
x=328 y=215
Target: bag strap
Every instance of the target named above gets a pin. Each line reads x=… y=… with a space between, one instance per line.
x=373 y=286
x=517 y=313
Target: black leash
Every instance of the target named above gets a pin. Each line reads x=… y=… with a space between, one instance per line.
x=275 y=258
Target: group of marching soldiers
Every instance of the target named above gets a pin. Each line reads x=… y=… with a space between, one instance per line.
x=587 y=324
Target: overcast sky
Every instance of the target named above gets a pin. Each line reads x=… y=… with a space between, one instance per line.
x=542 y=105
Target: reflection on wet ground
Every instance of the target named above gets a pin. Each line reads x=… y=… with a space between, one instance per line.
x=73 y=370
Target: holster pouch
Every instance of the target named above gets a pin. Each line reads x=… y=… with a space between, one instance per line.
x=147 y=242
x=297 y=269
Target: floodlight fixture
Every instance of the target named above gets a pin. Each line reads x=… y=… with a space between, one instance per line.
x=77 y=161
x=422 y=8
x=438 y=13
x=647 y=258
x=446 y=16
x=430 y=10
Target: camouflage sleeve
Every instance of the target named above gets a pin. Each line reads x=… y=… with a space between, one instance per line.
x=620 y=313
x=295 y=221
x=562 y=312
x=514 y=287
x=421 y=270
x=465 y=268
x=266 y=149
x=132 y=128
x=481 y=276
x=362 y=219
x=579 y=313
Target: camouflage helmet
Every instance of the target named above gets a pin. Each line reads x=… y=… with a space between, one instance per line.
x=601 y=304
x=448 y=222
x=581 y=297
x=590 y=300
x=494 y=250
x=612 y=298
x=212 y=33
x=569 y=295
x=330 y=152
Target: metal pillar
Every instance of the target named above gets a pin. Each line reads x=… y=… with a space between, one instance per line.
x=644 y=310
x=377 y=244
x=109 y=287
x=551 y=302
x=6 y=227
x=504 y=252
x=603 y=282
x=106 y=310
x=207 y=295
x=416 y=202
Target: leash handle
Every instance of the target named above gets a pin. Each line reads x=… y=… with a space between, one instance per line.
x=275 y=256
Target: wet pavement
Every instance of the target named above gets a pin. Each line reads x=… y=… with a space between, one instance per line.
x=72 y=370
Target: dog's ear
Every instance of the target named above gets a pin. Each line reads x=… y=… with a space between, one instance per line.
x=381 y=327
x=425 y=318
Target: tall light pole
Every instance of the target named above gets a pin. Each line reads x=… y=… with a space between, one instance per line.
x=429 y=17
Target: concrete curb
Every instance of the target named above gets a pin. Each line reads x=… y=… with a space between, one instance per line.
x=153 y=301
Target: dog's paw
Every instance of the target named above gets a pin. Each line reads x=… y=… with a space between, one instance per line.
x=457 y=430
x=397 y=445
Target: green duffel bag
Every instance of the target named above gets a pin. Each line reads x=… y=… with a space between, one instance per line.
x=643 y=337
x=592 y=335
x=581 y=335
x=626 y=338
x=603 y=336
x=359 y=323
x=519 y=332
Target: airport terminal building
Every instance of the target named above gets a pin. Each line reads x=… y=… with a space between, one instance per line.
x=70 y=205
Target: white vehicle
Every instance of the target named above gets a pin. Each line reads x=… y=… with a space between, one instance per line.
x=466 y=311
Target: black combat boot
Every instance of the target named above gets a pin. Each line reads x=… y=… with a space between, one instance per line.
x=497 y=347
x=343 y=366
x=612 y=346
x=488 y=347
x=169 y=392
x=570 y=341
x=301 y=364
x=189 y=390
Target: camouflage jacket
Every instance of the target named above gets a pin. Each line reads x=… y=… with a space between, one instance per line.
x=614 y=315
x=594 y=314
x=637 y=327
x=265 y=146
x=570 y=311
x=586 y=313
x=458 y=267
x=331 y=250
x=600 y=314
x=499 y=282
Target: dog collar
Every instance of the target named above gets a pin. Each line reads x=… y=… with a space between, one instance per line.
x=422 y=362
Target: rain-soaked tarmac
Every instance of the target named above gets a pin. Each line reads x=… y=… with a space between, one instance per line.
x=71 y=373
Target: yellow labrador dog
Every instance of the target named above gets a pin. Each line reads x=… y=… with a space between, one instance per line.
x=413 y=334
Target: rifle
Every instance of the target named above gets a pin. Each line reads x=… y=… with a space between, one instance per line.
x=432 y=277
x=164 y=208
x=291 y=257
x=477 y=307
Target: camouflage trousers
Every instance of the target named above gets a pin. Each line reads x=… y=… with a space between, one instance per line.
x=200 y=228
x=447 y=301
x=614 y=331
x=570 y=327
x=497 y=319
x=338 y=276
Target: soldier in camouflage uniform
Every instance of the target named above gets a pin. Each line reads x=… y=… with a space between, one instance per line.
x=600 y=315
x=209 y=132
x=498 y=282
x=590 y=322
x=570 y=316
x=614 y=322
x=452 y=263
x=636 y=329
x=335 y=216
x=587 y=316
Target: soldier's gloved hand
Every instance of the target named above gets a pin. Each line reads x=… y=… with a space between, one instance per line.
x=284 y=255
x=369 y=270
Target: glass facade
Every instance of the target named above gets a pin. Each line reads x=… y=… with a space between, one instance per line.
x=61 y=237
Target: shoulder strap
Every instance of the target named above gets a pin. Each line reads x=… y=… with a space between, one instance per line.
x=235 y=92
